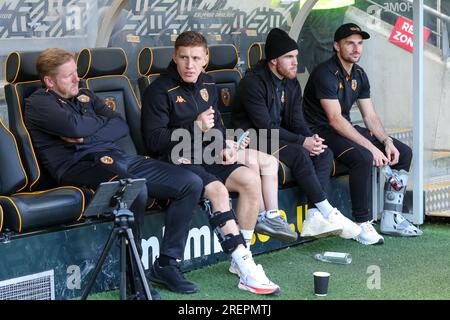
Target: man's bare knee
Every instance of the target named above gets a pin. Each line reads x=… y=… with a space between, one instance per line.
x=253 y=166
x=269 y=165
x=249 y=182
x=217 y=193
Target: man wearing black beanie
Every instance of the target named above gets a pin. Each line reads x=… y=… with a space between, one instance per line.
x=269 y=97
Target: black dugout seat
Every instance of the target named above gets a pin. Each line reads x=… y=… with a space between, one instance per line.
x=255 y=53
x=151 y=63
x=22 y=78
x=221 y=66
x=19 y=166
x=26 y=211
x=102 y=70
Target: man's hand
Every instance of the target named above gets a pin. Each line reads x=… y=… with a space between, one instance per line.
x=205 y=120
x=379 y=159
x=245 y=143
x=229 y=156
x=73 y=140
x=314 y=145
x=392 y=153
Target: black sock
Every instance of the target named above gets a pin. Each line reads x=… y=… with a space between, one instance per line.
x=164 y=260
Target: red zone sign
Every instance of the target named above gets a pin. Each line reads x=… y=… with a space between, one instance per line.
x=402 y=34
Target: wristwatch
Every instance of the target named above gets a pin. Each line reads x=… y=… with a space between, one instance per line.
x=386 y=140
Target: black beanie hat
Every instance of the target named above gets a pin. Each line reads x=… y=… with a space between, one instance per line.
x=278 y=43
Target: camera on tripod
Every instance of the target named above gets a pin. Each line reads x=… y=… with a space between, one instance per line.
x=116 y=197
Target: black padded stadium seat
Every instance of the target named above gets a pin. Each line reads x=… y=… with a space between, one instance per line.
x=255 y=54
x=19 y=167
x=102 y=70
x=151 y=63
x=221 y=66
x=22 y=78
x=27 y=211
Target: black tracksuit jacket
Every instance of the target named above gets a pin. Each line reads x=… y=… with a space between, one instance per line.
x=170 y=103
x=254 y=106
x=49 y=117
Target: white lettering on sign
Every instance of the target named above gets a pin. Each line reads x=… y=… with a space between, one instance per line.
x=408 y=27
x=403 y=38
x=403 y=34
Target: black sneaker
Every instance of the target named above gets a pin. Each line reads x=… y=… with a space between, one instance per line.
x=171 y=277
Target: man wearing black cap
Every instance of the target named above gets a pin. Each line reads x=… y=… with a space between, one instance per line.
x=269 y=97
x=331 y=90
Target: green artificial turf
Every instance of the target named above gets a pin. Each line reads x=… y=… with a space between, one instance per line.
x=408 y=268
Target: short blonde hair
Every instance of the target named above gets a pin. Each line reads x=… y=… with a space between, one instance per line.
x=50 y=60
x=191 y=39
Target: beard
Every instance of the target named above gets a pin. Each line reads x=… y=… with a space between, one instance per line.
x=290 y=74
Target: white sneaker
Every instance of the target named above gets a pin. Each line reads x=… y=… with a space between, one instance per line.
x=349 y=228
x=253 y=278
x=368 y=235
x=395 y=224
x=317 y=226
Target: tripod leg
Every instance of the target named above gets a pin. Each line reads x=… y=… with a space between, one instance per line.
x=131 y=271
x=123 y=267
x=100 y=262
x=138 y=263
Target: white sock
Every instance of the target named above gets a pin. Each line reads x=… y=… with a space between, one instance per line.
x=312 y=212
x=324 y=207
x=248 y=235
x=272 y=213
x=240 y=255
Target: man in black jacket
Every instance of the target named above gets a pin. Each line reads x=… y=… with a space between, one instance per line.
x=269 y=97
x=74 y=134
x=183 y=103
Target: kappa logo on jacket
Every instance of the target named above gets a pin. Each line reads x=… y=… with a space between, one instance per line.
x=180 y=99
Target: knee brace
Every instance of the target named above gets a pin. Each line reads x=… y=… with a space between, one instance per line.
x=229 y=242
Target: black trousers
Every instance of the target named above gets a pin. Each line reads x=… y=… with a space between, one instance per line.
x=359 y=160
x=312 y=174
x=164 y=181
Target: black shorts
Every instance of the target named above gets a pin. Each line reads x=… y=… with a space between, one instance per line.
x=212 y=172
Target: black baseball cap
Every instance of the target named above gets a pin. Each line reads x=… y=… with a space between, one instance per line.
x=347 y=30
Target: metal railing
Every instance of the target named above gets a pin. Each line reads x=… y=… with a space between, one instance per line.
x=441 y=18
